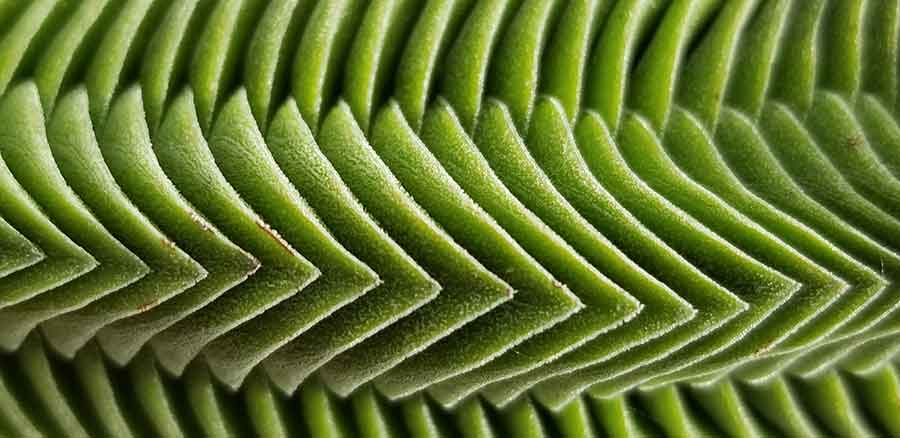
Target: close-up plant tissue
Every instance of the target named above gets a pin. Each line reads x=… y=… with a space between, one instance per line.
x=449 y=218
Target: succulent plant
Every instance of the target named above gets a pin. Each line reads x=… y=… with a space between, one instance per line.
x=449 y=218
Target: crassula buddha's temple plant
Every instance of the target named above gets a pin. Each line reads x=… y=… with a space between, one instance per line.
x=441 y=218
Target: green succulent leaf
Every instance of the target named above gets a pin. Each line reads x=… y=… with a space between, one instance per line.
x=441 y=218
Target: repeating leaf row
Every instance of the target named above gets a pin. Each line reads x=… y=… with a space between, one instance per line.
x=41 y=395
x=500 y=199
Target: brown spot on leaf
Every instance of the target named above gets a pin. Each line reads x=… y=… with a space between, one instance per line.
x=763 y=350
x=273 y=234
x=853 y=142
x=199 y=221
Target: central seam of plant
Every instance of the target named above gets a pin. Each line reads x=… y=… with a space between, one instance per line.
x=427 y=217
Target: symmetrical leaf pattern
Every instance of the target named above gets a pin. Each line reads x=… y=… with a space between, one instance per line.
x=449 y=217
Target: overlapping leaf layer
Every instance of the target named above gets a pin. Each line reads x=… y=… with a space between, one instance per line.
x=449 y=217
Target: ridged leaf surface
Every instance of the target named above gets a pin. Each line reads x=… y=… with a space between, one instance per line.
x=438 y=218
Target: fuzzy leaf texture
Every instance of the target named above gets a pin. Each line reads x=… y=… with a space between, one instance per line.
x=442 y=218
